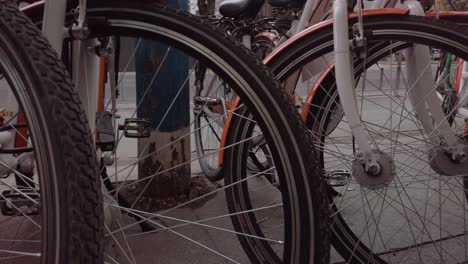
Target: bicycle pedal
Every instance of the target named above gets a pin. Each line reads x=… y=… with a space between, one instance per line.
x=105 y=131
x=337 y=178
x=136 y=128
x=16 y=203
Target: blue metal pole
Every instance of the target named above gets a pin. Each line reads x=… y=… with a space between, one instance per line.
x=162 y=87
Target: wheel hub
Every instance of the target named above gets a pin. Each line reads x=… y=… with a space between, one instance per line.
x=449 y=163
x=374 y=170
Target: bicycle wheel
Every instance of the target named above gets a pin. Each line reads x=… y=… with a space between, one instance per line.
x=50 y=209
x=259 y=155
x=213 y=99
x=211 y=103
x=207 y=88
x=416 y=214
x=262 y=46
x=155 y=177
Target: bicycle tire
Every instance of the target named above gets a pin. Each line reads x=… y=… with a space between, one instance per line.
x=261 y=47
x=213 y=172
x=383 y=28
x=304 y=202
x=70 y=194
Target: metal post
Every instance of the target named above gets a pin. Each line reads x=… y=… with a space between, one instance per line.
x=164 y=101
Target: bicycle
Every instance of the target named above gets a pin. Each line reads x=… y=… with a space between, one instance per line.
x=261 y=35
x=276 y=228
x=242 y=25
x=406 y=205
x=345 y=241
x=50 y=201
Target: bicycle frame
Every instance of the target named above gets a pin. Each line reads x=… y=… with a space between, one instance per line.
x=415 y=67
x=85 y=74
x=53 y=25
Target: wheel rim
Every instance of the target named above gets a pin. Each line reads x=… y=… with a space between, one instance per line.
x=27 y=204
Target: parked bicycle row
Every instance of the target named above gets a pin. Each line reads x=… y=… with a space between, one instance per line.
x=320 y=132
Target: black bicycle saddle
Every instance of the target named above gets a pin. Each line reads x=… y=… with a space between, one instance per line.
x=286 y=3
x=240 y=8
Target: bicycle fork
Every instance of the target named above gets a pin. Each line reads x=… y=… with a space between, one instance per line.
x=373 y=168
x=345 y=85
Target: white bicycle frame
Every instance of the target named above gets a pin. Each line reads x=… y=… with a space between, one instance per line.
x=85 y=64
x=462 y=108
x=433 y=119
x=85 y=69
